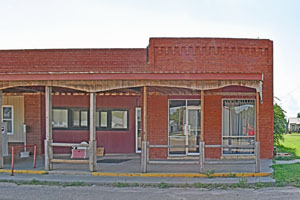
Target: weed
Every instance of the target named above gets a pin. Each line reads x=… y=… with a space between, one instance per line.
x=259 y=185
x=209 y=173
x=231 y=175
x=163 y=185
x=224 y=186
x=242 y=182
x=120 y=185
x=47 y=183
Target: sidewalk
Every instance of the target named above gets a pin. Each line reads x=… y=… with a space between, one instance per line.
x=287 y=161
x=100 y=180
x=128 y=171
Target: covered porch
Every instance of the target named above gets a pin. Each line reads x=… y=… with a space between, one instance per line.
x=144 y=89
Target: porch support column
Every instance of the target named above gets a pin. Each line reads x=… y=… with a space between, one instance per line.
x=145 y=151
x=202 y=143
x=145 y=132
x=92 y=142
x=257 y=143
x=257 y=116
x=49 y=140
x=1 y=137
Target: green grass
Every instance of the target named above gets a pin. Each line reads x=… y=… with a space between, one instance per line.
x=288 y=174
x=291 y=144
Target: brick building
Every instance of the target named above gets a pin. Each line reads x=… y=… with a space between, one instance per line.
x=176 y=92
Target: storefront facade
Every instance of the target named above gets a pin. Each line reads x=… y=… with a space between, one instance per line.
x=176 y=92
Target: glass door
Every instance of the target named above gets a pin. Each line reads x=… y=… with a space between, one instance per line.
x=193 y=125
x=184 y=126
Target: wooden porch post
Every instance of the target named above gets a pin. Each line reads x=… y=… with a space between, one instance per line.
x=144 y=156
x=1 y=138
x=202 y=143
x=145 y=113
x=92 y=142
x=257 y=143
x=49 y=140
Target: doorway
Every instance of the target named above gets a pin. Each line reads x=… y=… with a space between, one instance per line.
x=184 y=126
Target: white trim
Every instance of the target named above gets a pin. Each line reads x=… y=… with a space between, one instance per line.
x=136 y=129
x=12 y=118
x=237 y=136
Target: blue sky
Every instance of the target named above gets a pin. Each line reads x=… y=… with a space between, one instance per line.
x=129 y=24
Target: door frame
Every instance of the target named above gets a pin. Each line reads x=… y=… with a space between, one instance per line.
x=136 y=129
x=187 y=136
x=185 y=154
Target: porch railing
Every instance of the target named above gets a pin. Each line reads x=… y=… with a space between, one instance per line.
x=77 y=161
x=145 y=161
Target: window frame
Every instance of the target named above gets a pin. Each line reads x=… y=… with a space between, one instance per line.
x=70 y=111
x=234 y=99
x=68 y=119
x=186 y=106
x=70 y=122
x=109 y=119
x=12 y=118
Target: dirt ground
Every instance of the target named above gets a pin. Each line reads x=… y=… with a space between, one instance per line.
x=13 y=191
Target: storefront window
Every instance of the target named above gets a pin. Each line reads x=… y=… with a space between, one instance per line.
x=60 y=118
x=119 y=119
x=238 y=125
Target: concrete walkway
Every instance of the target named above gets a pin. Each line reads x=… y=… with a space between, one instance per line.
x=131 y=164
x=129 y=171
x=100 y=180
x=287 y=161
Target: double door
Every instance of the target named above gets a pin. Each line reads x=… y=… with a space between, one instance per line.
x=184 y=129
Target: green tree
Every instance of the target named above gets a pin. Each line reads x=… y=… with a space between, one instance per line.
x=298 y=115
x=280 y=123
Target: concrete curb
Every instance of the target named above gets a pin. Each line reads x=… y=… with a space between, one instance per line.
x=163 y=175
x=24 y=171
x=182 y=175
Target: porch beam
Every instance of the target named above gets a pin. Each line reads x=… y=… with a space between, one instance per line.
x=1 y=137
x=246 y=94
x=102 y=85
x=48 y=140
x=92 y=142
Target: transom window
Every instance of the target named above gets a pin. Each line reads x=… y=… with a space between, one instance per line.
x=238 y=125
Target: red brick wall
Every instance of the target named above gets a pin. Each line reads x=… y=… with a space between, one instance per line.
x=158 y=124
x=73 y=60
x=33 y=120
x=213 y=125
x=219 y=55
